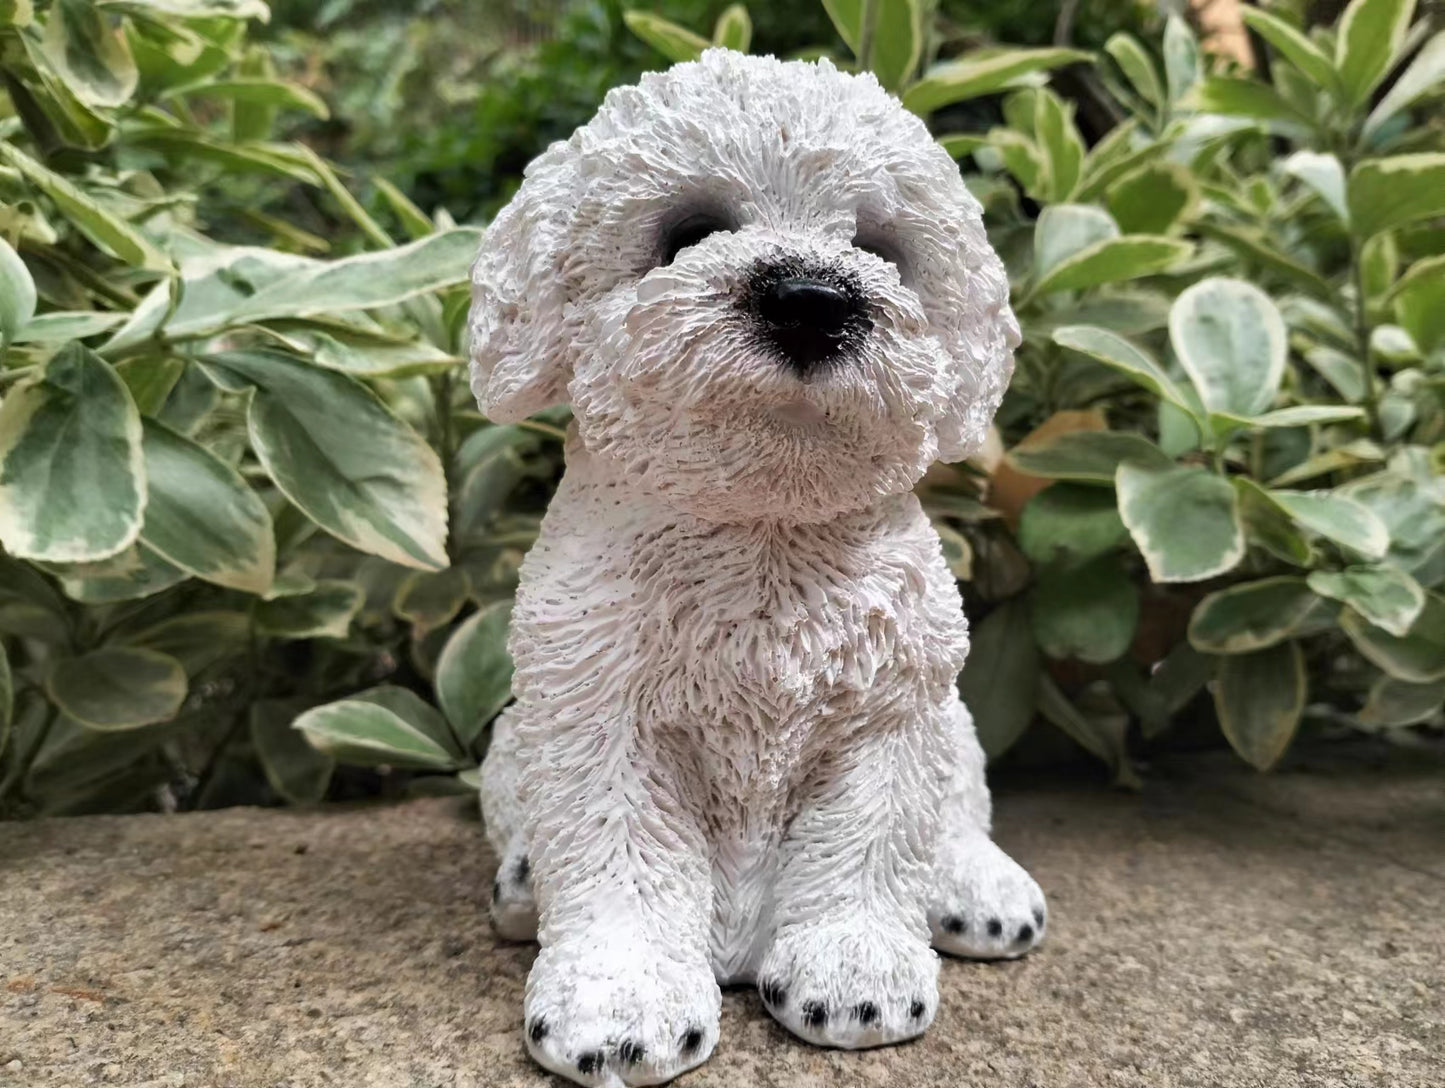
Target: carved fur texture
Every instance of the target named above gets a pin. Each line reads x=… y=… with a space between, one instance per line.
x=737 y=752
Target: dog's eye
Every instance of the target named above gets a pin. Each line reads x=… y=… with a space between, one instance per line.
x=690 y=232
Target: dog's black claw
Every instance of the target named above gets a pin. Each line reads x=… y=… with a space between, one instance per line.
x=692 y=1040
x=995 y=928
x=1026 y=933
x=867 y=1013
x=815 y=1014
x=589 y=1063
x=537 y=1030
x=524 y=869
x=631 y=1053
x=1039 y=918
x=773 y=992
x=954 y=924
x=917 y=1009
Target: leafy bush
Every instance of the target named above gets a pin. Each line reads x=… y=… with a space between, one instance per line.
x=236 y=482
x=1232 y=382
x=243 y=486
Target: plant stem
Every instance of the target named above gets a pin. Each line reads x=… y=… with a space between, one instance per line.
x=1362 y=338
x=865 y=34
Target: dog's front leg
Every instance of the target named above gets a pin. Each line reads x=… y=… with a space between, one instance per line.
x=849 y=964
x=622 y=990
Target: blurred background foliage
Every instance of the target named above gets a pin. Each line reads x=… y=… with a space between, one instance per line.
x=261 y=547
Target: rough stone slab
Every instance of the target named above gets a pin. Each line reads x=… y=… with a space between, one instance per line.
x=1221 y=931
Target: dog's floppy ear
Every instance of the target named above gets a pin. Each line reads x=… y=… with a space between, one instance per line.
x=982 y=339
x=521 y=345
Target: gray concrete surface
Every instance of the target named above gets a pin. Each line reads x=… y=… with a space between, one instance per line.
x=1222 y=930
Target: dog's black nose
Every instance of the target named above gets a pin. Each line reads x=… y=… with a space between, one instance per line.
x=809 y=320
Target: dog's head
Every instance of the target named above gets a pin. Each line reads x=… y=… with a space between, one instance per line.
x=762 y=286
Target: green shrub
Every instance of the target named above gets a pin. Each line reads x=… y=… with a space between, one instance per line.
x=243 y=488
x=236 y=481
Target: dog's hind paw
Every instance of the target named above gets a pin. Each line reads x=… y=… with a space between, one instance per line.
x=513 y=909
x=604 y=1011
x=852 y=983
x=984 y=905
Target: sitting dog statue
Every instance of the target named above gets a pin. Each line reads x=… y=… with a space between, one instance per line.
x=737 y=752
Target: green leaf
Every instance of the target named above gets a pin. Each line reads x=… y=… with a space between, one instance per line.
x=1153 y=198
x=16 y=13
x=197 y=640
x=415 y=221
x=1062 y=230
x=1137 y=66
x=1386 y=596
x=1324 y=174
x=89 y=54
x=1119 y=354
x=674 y=42
x=733 y=29
x=1251 y=616
x=1259 y=698
x=1300 y=415
x=118 y=687
x=1418 y=656
x=1184 y=520
x=262 y=92
x=146 y=575
x=72 y=483
x=1425 y=72
x=1335 y=517
x=368 y=733
x=1103 y=735
x=1411 y=504
x=957 y=552
x=1112 y=261
x=999 y=678
x=959 y=144
x=325 y=612
x=1059 y=139
x=1089 y=612
x=1245 y=98
x=202 y=517
x=341 y=456
x=1232 y=342
x=17 y=294
x=1293 y=45
x=61 y=325
x=105 y=229
x=1181 y=58
x=1070 y=524
x=958 y=80
x=1419 y=301
x=431 y=599
x=1388 y=193
x=193 y=9
x=1393 y=703
x=897 y=41
x=364 y=282
x=1370 y=33
x=474 y=672
x=1252 y=244
x=1089 y=456
x=296 y=770
x=150 y=379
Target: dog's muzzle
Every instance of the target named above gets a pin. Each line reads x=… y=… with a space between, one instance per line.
x=810 y=316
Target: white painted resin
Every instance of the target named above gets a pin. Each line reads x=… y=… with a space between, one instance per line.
x=737 y=752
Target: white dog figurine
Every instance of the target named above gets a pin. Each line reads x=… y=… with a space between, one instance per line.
x=737 y=752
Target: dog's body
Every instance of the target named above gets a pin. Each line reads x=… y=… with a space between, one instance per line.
x=737 y=752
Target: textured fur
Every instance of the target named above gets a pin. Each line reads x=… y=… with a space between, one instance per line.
x=737 y=752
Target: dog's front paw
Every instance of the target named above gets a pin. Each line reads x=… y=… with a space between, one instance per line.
x=609 y=1010
x=984 y=905
x=850 y=982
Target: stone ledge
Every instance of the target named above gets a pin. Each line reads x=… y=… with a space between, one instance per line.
x=1221 y=931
